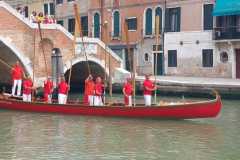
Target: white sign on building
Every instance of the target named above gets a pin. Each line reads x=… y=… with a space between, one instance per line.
x=88 y=48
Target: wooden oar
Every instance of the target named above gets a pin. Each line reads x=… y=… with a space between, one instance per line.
x=9 y=66
x=6 y=64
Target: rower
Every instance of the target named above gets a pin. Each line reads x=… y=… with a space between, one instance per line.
x=48 y=90
x=17 y=75
x=127 y=91
x=27 y=89
x=98 y=99
x=88 y=97
x=62 y=91
x=148 y=88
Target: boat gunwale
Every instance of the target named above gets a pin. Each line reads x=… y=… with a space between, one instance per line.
x=78 y=105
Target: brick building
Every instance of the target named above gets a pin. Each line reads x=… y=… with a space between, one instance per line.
x=193 y=41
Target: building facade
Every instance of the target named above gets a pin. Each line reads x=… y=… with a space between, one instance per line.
x=192 y=41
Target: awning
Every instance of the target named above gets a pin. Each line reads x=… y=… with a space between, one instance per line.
x=226 y=8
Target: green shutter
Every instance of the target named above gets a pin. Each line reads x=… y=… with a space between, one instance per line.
x=96 y=25
x=148 y=23
x=167 y=20
x=178 y=19
x=116 y=26
x=208 y=18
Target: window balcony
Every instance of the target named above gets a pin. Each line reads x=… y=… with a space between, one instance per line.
x=226 y=33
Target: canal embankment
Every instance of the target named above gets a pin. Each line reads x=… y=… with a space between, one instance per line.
x=192 y=86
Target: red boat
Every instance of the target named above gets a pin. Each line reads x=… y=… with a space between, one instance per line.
x=188 y=110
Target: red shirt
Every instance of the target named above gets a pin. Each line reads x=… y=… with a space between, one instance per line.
x=63 y=87
x=99 y=89
x=48 y=85
x=148 y=84
x=89 y=87
x=17 y=72
x=128 y=88
x=27 y=85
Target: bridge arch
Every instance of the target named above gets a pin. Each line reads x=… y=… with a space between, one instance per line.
x=80 y=70
x=10 y=53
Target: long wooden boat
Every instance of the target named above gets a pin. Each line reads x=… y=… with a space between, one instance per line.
x=190 y=110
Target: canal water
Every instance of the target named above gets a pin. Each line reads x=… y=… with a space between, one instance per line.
x=36 y=136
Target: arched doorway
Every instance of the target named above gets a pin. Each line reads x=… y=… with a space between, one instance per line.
x=9 y=55
x=80 y=73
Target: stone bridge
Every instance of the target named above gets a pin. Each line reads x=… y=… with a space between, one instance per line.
x=20 y=40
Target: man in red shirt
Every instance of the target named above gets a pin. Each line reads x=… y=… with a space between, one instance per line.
x=89 y=91
x=148 y=88
x=127 y=91
x=17 y=75
x=48 y=89
x=27 y=89
x=62 y=91
x=98 y=92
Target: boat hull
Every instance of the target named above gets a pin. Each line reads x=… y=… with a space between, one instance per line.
x=205 y=109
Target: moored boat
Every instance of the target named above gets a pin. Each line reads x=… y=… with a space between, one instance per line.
x=189 y=110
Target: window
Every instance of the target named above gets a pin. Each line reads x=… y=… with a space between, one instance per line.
x=52 y=9
x=48 y=8
x=208 y=18
x=71 y=25
x=172 y=58
x=146 y=57
x=173 y=19
x=96 y=25
x=158 y=12
x=84 y=24
x=132 y=23
x=224 y=57
x=45 y=8
x=207 y=58
x=60 y=22
x=116 y=24
x=157 y=47
x=59 y=1
x=148 y=22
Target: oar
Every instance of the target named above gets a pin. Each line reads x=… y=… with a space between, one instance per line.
x=6 y=64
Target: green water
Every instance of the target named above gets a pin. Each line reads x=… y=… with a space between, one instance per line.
x=49 y=136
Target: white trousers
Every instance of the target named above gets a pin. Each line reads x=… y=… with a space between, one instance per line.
x=91 y=100
x=148 y=100
x=49 y=98
x=18 y=84
x=129 y=101
x=62 y=98
x=98 y=101
x=27 y=97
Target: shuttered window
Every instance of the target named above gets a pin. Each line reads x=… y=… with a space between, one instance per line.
x=45 y=7
x=84 y=24
x=172 y=58
x=208 y=18
x=148 y=22
x=173 y=19
x=52 y=9
x=207 y=58
x=96 y=25
x=116 y=24
x=132 y=23
x=71 y=25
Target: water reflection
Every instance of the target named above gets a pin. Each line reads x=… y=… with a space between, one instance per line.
x=45 y=136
